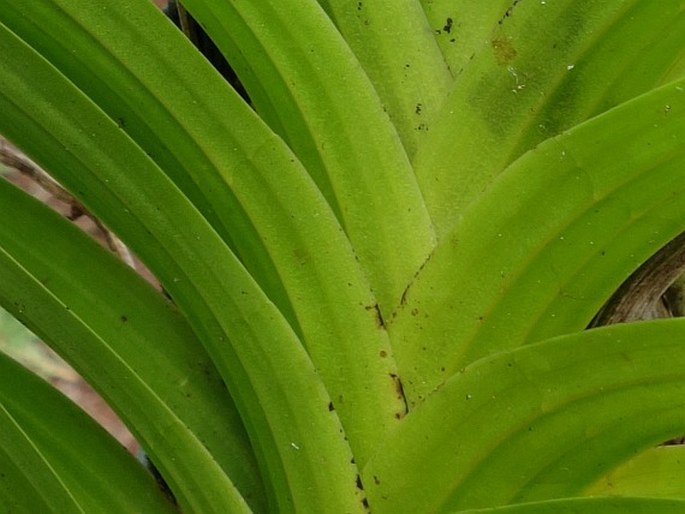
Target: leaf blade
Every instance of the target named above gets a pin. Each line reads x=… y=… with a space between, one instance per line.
x=42 y=435
x=178 y=394
x=603 y=209
x=565 y=397
x=544 y=68
x=341 y=134
x=242 y=178
x=655 y=473
x=399 y=53
x=280 y=396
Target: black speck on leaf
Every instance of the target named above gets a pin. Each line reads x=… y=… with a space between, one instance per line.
x=448 y=25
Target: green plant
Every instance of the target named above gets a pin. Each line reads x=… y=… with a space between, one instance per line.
x=381 y=276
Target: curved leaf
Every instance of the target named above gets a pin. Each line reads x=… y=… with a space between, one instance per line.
x=333 y=119
x=559 y=231
x=132 y=346
x=540 y=422
x=543 y=68
x=72 y=464
x=590 y=506
x=242 y=178
x=277 y=390
x=398 y=51
x=657 y=472
x=162 y=115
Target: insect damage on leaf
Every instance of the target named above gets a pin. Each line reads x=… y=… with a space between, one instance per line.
x=379 y=316
x=399 y=389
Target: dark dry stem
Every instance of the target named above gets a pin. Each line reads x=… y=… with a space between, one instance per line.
x=14 y=158
x=655 y=290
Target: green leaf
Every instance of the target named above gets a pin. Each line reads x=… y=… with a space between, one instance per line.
x=243 y=179
x=540 y=422
x=66 y=461
x=132 y=346
x=179 y=130
x=399 y=53
x=459 y=25
x=17 y=494
x=590 y=506
x=543 y=68
x=338 y=129
x=276 y=387
x=657 y=472
x=548 y=244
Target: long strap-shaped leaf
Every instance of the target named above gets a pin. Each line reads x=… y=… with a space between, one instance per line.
x=243 y=179
x=568 y=221
x=152 y=98
x=277 y=390
x=156 y=369
x=544 y=68
x=590 y=506
x=657 y=472
x=17 y=493
x=537 y=423
x=398 y=50
x=71 y=463
x=333 y=119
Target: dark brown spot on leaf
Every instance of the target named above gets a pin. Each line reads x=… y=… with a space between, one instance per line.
x=399 y=389
x=504 y=50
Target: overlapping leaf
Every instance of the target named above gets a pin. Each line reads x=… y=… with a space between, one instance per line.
x=398 y=51
x=54 y=454
x=255 y=256
x=277 y=390
x=333 y=119
x=541 y=68
x=136 y=349
x=544 y=248
x=537 y=423
x=243 y=180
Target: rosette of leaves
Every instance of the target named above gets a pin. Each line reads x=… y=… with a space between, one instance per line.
x=382 y=267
